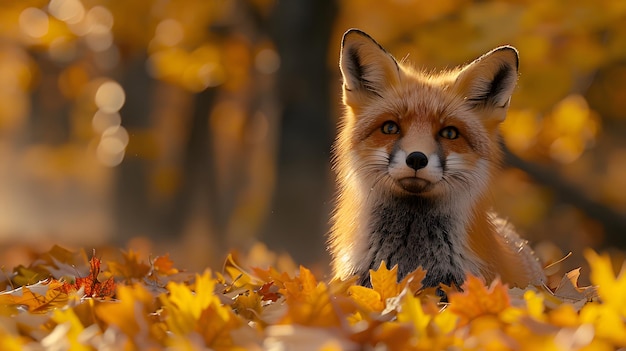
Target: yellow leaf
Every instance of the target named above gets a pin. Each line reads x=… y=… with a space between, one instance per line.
x=607 y=321
x=385 y=281
x=413 y=313
x=564 y=316
x=611 y=289
x=248 y=305
x=10 y=342
x=186 y=306
x=369 y=300
x=238 y=276
x=74 y=328
x=534 y=304
x=130 y=312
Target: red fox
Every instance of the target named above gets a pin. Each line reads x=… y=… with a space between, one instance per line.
x=414 y=158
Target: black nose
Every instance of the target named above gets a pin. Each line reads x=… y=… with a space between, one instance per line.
x=416 y=160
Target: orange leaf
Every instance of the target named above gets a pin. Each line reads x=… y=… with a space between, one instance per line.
x=298 y=288
x=313 y=309
x=38 y=298
x=272 y=275
x=163 y=265
x=476 y=300
x=413 y=280
x=130 y=268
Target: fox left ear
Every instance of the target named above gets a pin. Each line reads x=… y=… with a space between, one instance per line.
x=367 y=69
x=488 y=82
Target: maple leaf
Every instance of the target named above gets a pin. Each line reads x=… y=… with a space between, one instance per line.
x=272 y=275
x=367 y=299
x=413 y=280
x=199 y=311
x=308 y=301
x=412 y=312
x=67 y=332
x=61 y=262
x=476 y=300
x=385 y=281
x=316 y=309
x=37 y=298
x=189 y=304
x=239 y=277
x=269 y=292
x=29 y=275
x=248 y=305
x=90 y=284
x=299 y=287
x=131 y=268
x=384 y=287
x=611 y=289
x=163 y=265
x=132 y=314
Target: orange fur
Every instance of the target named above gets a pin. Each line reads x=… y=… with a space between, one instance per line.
x=433 y=165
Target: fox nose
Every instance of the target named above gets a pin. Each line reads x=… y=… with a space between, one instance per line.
x=416 y=160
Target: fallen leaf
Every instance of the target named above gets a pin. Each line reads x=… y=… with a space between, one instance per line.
x=131 y=268
x=163 y=265
x=477 y=300
x=90 y=284
x=568 y=289
x=385 y=281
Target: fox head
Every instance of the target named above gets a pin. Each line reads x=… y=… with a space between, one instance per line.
x=412 y=134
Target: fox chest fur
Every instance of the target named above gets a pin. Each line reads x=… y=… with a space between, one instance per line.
x=414 y=158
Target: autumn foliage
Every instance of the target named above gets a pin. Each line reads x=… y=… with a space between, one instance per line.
x=129 y=304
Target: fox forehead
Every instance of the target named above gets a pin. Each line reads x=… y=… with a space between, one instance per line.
x=416 y=95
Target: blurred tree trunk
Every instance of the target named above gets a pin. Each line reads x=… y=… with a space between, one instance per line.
x=299 y=216
x=132 y=206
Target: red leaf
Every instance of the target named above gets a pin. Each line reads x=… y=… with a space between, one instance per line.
x=269 y=292
x=90 y=284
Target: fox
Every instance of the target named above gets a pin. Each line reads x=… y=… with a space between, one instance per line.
x=414 y=157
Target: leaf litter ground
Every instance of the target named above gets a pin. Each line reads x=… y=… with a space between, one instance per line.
x=64 y=300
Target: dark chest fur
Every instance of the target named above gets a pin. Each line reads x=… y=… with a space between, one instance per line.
x=412 y=232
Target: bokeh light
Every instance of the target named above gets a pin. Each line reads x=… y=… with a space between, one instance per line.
x=69 y=11
x=169 y=32
x=34 y=22
x=110 y=97
x=267 y=61
x=112 y=146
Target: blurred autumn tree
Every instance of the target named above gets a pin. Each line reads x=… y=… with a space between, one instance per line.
x=207 y=124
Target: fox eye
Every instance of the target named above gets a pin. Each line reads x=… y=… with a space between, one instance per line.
x=449 y=133
x=390 y=127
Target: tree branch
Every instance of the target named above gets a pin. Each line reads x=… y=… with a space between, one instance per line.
x=614 y=223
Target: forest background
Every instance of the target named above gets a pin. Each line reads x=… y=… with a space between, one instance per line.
x=194 y=127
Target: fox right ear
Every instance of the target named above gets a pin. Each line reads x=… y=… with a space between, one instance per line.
x=367 y=68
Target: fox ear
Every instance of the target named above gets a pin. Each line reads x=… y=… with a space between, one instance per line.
x=367 y=68
x=488 y=82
